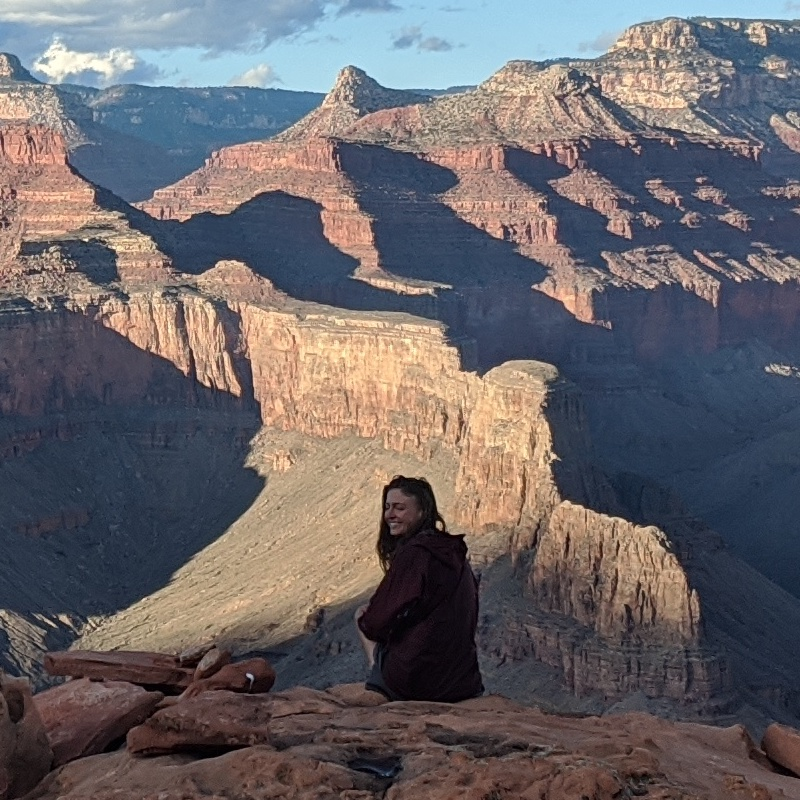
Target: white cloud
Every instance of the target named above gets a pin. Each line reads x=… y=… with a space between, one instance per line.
x=600 y=43
x=259 y=76
x=59 y=64
x=62 y=36
x=215 y=26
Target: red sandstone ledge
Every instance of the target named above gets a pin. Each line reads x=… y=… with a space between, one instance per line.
x=141 y=668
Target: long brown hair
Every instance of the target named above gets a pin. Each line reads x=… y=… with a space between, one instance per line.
x=422 y=492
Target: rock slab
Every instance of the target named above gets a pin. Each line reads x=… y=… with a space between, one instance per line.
x=141 y=668
x=25 y=754
x=83 y=717
x=782 y=745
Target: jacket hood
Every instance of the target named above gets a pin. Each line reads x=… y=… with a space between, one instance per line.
x=448 y=548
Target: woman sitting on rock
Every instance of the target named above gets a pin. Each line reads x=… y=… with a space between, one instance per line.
x=418 y=629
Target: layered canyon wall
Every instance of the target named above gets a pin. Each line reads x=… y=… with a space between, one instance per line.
x=653 y=266
x=722 y=78
x=110 y=449
x=518 y=432
x=667 y=55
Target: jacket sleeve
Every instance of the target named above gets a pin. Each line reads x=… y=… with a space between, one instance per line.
x=401 y=588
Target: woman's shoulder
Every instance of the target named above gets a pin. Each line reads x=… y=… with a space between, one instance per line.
x=442 y=545
x=415 y=546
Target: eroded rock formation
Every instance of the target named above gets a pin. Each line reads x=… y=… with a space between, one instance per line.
x=83 y=717
x=718 y=77
x=11 y=69
x=353 y=96
x=573 y=212
x=470 y=269
x=518 y=434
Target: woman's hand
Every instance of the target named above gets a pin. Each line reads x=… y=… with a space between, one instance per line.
x=367 y=644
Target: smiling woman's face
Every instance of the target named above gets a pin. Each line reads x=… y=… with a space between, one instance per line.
x=402 y=513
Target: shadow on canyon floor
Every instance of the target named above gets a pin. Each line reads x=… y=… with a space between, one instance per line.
x=149 y=165
x=687 y=171
x=115 y=467
x=92 y=258
x=421 y=238
x=279 y=235
x=720 y=431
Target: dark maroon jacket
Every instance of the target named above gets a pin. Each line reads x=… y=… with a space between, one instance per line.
x=424 y=613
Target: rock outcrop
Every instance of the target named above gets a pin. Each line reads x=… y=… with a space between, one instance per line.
x=157 y=672
x=60 y=234
x=581 y=208
x=118 y=138
x=84 y=717
x=28 y=147
x=345 y=742
x=703 y=63
x=522 y=104
x=142 y=669
x=25 y=101
x=636 y=583
x=353 y=96
x=782 y=746
x=11 y=69
x=519 y=437
x=620 y=259
x=25 y=754
x=717 y=77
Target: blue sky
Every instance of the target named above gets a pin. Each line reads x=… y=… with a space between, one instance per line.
x=302 y=44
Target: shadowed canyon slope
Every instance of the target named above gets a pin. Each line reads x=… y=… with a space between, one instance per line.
x=580 y=325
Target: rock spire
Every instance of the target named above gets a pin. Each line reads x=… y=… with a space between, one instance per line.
x=12 y=70
x=353 y=96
